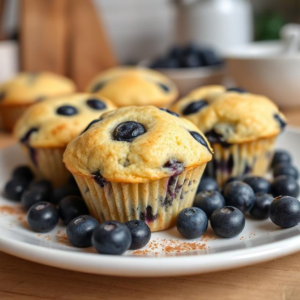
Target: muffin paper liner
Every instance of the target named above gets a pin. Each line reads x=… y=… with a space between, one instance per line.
x=9 y=115
x=156 y=202
x=47 y=164
x=241 y=159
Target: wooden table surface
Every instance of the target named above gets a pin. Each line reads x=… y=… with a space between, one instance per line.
x=277 y=279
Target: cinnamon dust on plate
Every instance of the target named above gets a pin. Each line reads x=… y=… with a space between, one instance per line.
x=164 y=246
x=11 y=210
x=62 y=238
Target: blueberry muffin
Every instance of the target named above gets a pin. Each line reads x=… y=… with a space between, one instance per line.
x=197 y=99
x=242 y=129
x=138 y=163
x=46 y=128
x=26 y=89
x=127 y=86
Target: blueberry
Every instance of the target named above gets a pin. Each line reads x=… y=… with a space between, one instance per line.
x=42 y=217
x=175 y=52
x=281 y=156
x=72 y=181
x=258 y=184
x=170 y=112
x=285 y=186
x=159 y=64
x=200 y=139
x=260 y=209
x=285 y=169
x=240 y=195
x=89 y=126
x=237 y=90
x=164 y=87
x=43 y=184
x=207 y=184
x=128 y=131
x=209 y=201
x=33 y=196
x=194 y=107
x=111 y=237
x=98 y=86
x=140 y=234
x=227 y=222
x=14 y=188
x=216 y=138
x=99 y=179
x=209 y=57
x=64 y=191
x=27 y=135
x=191 y=60
x=230 y=179
x=80 y=230
x=191 y=48
x=285 y=211
x=23 y=172
x=192 y=222
x=280 y=121
x=67 y=110
x=96 y=104
x=71 y=207
x=148 y=215
x=169 y=63
x=175 y=166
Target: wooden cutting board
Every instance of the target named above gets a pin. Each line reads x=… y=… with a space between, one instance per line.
x=44 y=35
x=66 y=37
x=90 y=50
x=2 y=7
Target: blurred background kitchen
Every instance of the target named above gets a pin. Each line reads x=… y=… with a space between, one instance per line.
x=236 y=42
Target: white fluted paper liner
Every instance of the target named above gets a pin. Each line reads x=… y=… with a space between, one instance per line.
x=253 y=158
x=47 y=164
x=9 y=115
x=151 y=202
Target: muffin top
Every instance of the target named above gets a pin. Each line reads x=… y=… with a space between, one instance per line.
x=137 y=144
x=197 y=99
x=235 y=117
x=55 y=122
x=127 y=86
x=34 y=86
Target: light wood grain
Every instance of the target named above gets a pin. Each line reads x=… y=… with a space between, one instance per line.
x=2 y=10
x=90 y=51
x=44 y=29
x=277 y=280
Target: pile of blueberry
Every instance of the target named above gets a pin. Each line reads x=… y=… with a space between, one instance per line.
x=252 y=194
x=46 y=205
x=190 y=56
x=225 y=208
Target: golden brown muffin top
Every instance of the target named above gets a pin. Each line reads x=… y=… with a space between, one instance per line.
x=137 y=144
x=55 y=122
x=34 y=86
x=127 y=86
x=233 y=117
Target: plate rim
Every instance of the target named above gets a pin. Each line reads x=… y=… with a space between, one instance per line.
x=149 y=266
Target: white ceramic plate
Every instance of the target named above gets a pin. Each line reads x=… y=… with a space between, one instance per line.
x=168 y=254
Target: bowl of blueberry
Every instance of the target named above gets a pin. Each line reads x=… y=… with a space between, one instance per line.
x=189 y=66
